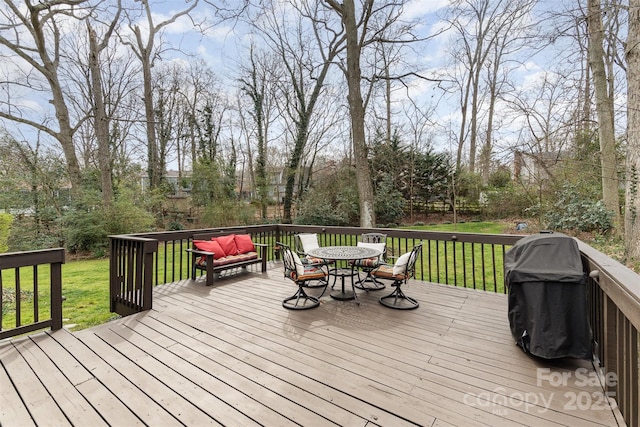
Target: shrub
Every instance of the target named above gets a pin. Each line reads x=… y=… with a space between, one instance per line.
x=227 y=213
x=334 y=201
x=5 y=226
x=505 y=202
x=87 y=224
x=175 y=226
x=574 y=211
x=26 y=234
x=389 y=203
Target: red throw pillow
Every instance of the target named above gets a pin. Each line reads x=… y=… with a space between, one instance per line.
x=228 y=244
x=244 y=243
x=210 y=246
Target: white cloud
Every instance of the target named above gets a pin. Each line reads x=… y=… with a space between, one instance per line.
x=419 y=8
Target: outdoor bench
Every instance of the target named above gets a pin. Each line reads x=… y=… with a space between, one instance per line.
x=218 y=251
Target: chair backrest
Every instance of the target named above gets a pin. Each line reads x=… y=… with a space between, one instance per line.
x=411 y=265
x=305 y=242
x=406 y=264
x=376 y=239
x=373 y=238
x=291 y=267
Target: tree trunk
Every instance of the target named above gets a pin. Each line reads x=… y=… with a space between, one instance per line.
x=65 y=133
x=604 y=109
x=101 y=122
x=632 y=196
x=152 y=149
x=356 y=110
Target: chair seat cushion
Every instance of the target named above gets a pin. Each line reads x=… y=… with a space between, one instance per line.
x=368 y=262
x=311 y=272
x=312 y=260
x=229 y=259
x=386 y=272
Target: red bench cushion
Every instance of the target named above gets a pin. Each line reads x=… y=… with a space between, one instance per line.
x=231 y=259
x=228 y=244
x=210 y=246
x=244 y=243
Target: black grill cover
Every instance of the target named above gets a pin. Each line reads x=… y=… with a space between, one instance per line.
x=548 y=297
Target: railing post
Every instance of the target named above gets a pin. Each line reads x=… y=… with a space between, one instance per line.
x=56 y=295
x=131 y=267
x=147 y=287
x=277 y=239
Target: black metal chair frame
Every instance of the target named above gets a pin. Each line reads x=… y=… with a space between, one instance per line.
x=397 y=299
x=301 y=300
x=375 y=285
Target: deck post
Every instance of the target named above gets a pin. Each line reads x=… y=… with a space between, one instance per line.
x=56 y=294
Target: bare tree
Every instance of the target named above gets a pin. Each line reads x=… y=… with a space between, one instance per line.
x=546 y=113
x=143 y=46
x=488 y=34
x=603 y=83
x=255 y=86
x=32 y=33
x=306 y=60
x=360 y=29
x=355 y=30
x=187 y=89
x=100 y=116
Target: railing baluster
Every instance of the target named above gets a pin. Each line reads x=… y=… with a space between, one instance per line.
x=1 y=302
x=493 y=263
x=473 y=265
x=484 y=268
x=18 y=297
x=36 y=317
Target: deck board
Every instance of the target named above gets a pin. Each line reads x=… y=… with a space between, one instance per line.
x=230 y=354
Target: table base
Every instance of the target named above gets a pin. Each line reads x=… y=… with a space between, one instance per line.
x=342 y=273
x=342 y=296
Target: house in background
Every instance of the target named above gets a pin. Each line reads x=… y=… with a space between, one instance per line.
x=276 y=184
x=534 y=168
x=179 y=182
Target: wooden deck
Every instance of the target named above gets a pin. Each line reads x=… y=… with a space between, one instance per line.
x=231 y=355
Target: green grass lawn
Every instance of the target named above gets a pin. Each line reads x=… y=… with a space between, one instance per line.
x=483 y=227
x=85 y=284
x=464 y=274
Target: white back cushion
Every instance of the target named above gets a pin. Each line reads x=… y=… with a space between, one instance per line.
x=294 y=259
x=378 y=246
x=401 y=264
x=309 y=241
x=299 y=266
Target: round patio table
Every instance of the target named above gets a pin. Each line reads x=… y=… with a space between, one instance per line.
x=344 y=253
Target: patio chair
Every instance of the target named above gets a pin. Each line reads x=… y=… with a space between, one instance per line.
x=399 y=273
x=301 y=274
x=376 y=241
x=304 y=242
